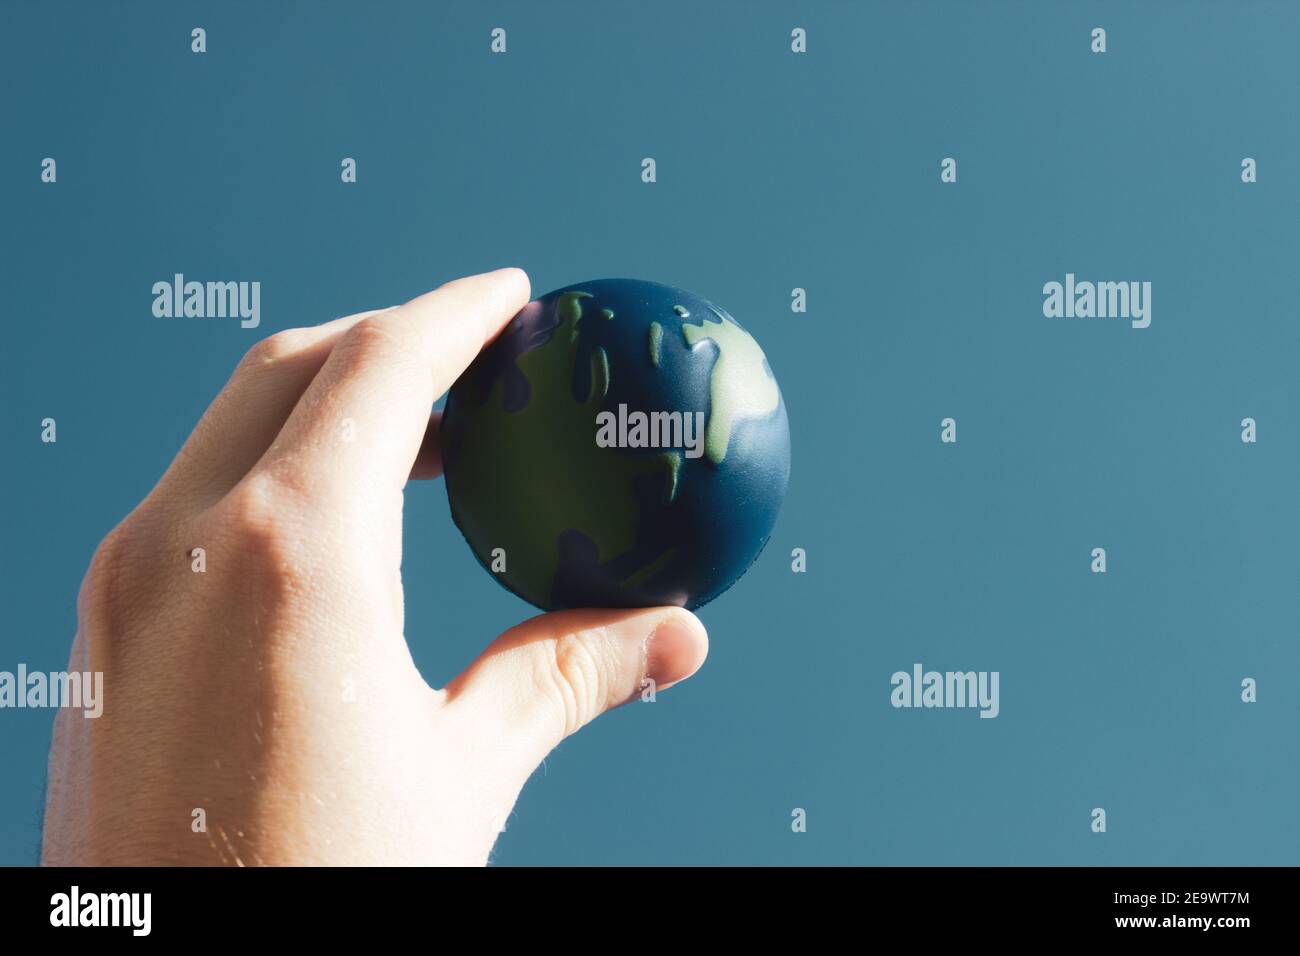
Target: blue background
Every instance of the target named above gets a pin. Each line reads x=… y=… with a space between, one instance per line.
x=775 y=170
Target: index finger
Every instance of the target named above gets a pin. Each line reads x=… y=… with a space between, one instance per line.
x=359 y=425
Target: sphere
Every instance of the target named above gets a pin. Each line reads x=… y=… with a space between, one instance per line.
x=621 y=444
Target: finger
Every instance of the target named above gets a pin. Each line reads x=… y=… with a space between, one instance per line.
x=356 y=432
x=428 y=461
x=250 y=410
x=543 y=680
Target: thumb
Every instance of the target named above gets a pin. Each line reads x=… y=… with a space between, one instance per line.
x=541 y=681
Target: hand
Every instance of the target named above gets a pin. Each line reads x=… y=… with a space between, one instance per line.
x=272 y=696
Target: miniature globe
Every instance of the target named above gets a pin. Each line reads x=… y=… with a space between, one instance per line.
x=621 y=444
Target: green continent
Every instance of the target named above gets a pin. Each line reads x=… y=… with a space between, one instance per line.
x=656 y=339
x=740 y=385
x=599 y=364
x=568 y=481
x=569 y=308
x=673 y=461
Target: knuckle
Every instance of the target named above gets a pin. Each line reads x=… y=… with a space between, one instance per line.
x=274 y=349
x=573 y=673
x=371 y=337
x=257 y=518
x=119 y=584
x=104 y=574
x=256 y=510
x=262 y=549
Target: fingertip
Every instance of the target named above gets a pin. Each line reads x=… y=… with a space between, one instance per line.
x=510 y=287
x=498 y=296
x=676 y=649
x=518 y=278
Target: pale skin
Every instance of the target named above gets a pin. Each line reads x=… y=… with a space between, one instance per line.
x=274 y=691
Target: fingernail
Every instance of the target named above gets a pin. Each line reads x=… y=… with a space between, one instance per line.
x=676 y=649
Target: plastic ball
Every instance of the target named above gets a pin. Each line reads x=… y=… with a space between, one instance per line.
x=621 y=444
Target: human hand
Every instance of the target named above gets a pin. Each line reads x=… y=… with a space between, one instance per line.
x=274 y=691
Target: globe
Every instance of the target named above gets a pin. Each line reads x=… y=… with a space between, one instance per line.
x=621 y=443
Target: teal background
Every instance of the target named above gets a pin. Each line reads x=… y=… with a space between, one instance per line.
x=775 y=170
